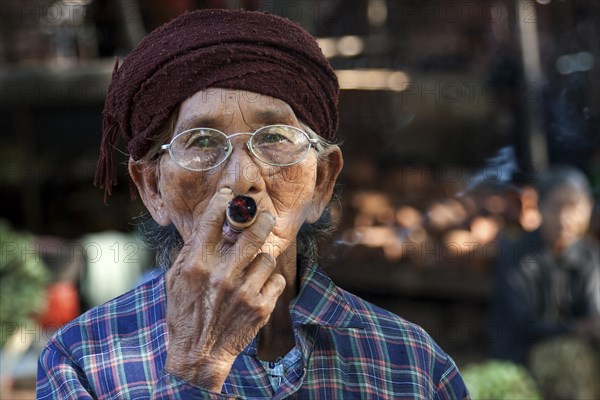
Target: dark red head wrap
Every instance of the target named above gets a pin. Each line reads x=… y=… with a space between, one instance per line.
x=230 y=49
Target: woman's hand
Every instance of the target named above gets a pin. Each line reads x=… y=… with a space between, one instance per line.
x=218 y=296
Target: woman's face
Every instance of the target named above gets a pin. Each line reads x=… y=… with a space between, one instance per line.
x=293 y=194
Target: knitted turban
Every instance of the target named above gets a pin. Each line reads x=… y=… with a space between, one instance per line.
x=228 y=49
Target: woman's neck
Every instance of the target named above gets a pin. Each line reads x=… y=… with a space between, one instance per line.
x=276 y=338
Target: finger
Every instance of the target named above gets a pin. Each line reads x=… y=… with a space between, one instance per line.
x=210 y=224
x=206 y=235
x=253 y=238
x=257 y=273
x=273 y=288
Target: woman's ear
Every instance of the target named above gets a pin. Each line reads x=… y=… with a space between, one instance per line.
x=329 y=165
x=145 y=176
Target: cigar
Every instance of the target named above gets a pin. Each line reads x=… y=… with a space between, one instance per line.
x=241 y=212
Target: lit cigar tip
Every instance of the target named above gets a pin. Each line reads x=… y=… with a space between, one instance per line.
x=241 y=212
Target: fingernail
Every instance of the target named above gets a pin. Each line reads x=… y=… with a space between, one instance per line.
x=225 y=190
x=270 y=215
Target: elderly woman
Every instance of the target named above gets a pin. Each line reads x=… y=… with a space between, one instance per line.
x=214 y=105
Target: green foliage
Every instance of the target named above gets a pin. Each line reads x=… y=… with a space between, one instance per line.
x=495 y=380
x=23 y=276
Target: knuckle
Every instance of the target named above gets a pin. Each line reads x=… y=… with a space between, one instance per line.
x=270 y=260
x=266 y=262
x=277 y=285
x=245 y=295
x=222 y=283
x=184 y=253
x=260 y=310
x=211 y=218
x=193 y=272
x=254 y=238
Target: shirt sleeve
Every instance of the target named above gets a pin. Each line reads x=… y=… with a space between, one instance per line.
x=59 y=377
x=451 y=384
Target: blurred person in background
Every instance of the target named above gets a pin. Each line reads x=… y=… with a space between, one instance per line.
x=212 y=105
x=548 y=282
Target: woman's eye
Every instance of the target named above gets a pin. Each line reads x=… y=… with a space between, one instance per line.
x=204 y=143
x=273 y=137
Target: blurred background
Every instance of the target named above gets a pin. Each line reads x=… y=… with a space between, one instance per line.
x=449 y=111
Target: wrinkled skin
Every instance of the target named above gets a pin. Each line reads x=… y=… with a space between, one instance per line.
x=223 y=290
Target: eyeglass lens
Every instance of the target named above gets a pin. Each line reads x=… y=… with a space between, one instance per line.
x=205 y=148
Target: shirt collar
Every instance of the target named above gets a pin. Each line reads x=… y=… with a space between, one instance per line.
x=320 y=301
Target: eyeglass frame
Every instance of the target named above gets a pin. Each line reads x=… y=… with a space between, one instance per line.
x=312 y=142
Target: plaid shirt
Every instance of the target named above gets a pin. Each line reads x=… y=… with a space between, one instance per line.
x=350 y=350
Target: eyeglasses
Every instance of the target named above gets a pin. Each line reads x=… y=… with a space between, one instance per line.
x=201 y=149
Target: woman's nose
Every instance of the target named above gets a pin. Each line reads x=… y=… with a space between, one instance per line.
x=241 y=172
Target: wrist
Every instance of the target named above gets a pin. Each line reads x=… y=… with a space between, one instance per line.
x=207 y=374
